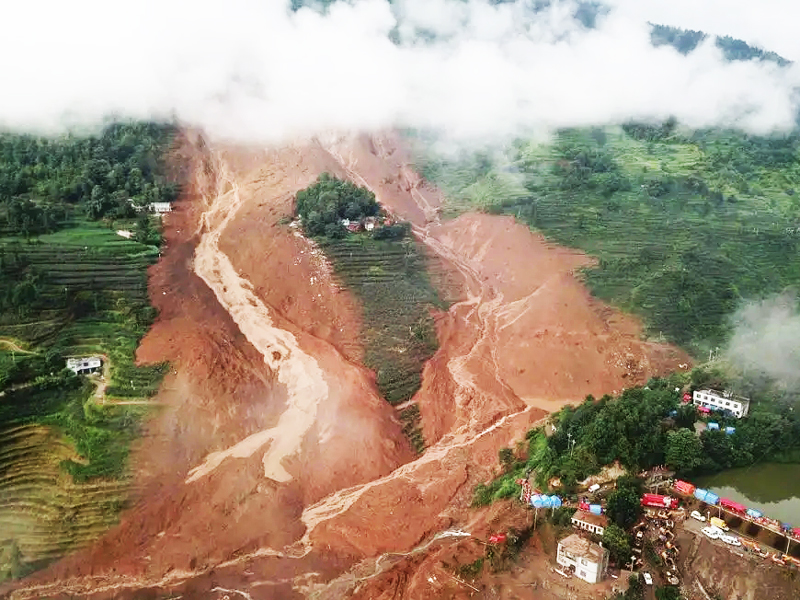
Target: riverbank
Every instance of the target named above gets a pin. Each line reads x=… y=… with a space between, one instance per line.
x=772 y=488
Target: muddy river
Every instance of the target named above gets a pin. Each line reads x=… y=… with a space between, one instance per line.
x=773 y=489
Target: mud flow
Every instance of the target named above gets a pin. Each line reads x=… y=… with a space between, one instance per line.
x=274 y=468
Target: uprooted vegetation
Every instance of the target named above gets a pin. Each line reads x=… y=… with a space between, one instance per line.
x=72 y=287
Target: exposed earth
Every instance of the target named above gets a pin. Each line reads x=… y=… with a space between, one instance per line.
x=273 y=468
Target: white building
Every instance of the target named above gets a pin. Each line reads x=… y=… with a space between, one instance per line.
x=160 y=208
x=714 y=400
x=587 y=560
x=588 y=522
x=82 y=366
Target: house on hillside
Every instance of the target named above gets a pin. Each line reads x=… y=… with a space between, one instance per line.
x=587 y=560
x=739 y=406
x=588 y=522
x=369 y=223
x=84 y=366
x=160 y=208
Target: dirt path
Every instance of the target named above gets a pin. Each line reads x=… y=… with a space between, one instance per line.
x=12 y=345
x=298 y=371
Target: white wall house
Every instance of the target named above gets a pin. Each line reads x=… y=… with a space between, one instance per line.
x=588 y=522
x=714 y=400
x=160 y=208
x=587 y=560
x=82 y=366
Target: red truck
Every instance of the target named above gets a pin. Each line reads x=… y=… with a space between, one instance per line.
x=658 y=501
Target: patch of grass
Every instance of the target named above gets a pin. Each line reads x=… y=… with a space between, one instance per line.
x=411 y=420
x=389 y=278
x=471 y=570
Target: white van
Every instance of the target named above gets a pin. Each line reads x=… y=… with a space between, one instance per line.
x=594 y=488
x=731 y=539
x=697 y=516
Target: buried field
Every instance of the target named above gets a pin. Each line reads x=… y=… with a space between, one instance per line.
x=235 y=502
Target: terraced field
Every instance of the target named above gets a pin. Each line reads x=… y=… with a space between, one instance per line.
x=63 y=451
x=390 y=280
x=43 y=513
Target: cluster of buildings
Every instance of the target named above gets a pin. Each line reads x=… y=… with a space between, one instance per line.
x=365 y=224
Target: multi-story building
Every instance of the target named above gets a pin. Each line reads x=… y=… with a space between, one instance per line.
x=588 y=522
x=587 y=560
x=725 y=401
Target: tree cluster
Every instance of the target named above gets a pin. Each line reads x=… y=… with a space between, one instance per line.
x=323 y=205
x=645 y=427
x=43 y=179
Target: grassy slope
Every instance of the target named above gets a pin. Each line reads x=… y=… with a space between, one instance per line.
x=62 y=455
x=682 y=258
x=396 y=296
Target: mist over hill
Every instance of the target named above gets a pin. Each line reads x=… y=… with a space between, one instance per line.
x=474 y=69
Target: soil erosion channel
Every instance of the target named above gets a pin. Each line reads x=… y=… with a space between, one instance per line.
x=275 y=468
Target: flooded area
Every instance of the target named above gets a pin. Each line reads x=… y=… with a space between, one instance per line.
x=771 y=488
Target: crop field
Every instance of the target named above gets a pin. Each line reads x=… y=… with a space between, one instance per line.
x=390 y=280
x=63 y=453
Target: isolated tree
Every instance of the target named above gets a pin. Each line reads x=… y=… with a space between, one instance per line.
x=684 y=451
x=624 y=507
x=506 y=459
x=618 y=543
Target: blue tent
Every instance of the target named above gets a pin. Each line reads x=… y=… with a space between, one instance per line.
x=706 y=496
x=730 y=430
x=753 y=513
x=713 y=426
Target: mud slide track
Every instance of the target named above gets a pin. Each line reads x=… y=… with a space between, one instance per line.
x=298 y=371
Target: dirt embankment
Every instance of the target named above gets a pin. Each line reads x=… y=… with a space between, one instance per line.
x=714 y=571
x=275 y=466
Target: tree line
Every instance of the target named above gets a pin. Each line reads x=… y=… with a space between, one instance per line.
x=44 y=180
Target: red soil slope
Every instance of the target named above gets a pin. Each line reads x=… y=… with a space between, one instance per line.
x=275 y=466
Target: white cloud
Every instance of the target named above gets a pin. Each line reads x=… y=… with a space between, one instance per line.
x=769 y=24
x=252 y=70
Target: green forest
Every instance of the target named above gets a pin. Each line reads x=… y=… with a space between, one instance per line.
x=685 y=225
x=71 y=287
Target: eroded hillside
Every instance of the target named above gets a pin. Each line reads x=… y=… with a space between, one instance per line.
x=275 y=466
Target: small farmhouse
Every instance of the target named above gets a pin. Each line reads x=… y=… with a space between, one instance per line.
x=589 y=522
x=724 y=401
x=587 y=560
x=160 y=208
x=84 y=366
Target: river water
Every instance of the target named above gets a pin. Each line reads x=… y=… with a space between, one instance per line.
x=774 y=489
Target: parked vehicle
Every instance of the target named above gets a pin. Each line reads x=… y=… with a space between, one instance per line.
x=697 y=516
x=718 y=523
x=594 y=488
x=731 y=539
x=647 y=578
x=659 y=501
x=711 y=532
